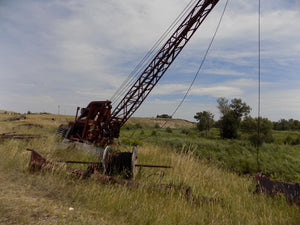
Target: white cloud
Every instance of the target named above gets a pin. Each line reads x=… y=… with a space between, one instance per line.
x=72 y=52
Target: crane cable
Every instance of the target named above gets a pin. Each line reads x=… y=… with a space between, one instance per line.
x=259 y=96
x=145 y=61
x=199 y=69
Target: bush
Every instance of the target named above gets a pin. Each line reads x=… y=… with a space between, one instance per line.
x=131 y=142
x=169 y=130
x=185 y=131
x=297 y=140
x=255 y=141
x=288 y=140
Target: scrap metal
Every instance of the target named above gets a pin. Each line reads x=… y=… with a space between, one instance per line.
x=272 y=188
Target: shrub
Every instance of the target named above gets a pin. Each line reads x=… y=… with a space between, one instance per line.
x=185 y=131
x=130 y=142
x=169 y=130
x=138 y=126
x=288 y=140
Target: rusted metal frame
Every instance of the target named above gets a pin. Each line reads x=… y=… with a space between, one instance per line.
x=94 y=108
x=78 y=162
x=99 y=109
x=97 y=163
x=137 y=94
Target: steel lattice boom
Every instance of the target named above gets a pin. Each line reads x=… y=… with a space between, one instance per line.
x=161 y=62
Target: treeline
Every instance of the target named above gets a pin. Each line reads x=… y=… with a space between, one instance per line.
x=235 y=119
x=284 y=124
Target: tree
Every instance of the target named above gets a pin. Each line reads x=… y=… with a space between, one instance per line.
x=250 y=126
x=223 y=105
x=205 y=120
x=231 y=116
x=165 y=116
x=239 y=108
x=229 y=125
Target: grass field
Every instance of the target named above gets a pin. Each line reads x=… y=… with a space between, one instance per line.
x=219 y=194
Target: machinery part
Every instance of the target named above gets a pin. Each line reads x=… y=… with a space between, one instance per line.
x=134 y=159
x=121 y=163
x=107 y=151
x=62 y=130
x=38 y=162
x=97 y=125
x=153 y=166
x=272 y=188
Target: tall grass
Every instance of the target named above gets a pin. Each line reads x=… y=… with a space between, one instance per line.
x=281 y=161
x=218 y=196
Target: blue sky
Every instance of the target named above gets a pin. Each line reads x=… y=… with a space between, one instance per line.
x=71 y=52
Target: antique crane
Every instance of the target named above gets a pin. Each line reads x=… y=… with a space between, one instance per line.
x=98 y=123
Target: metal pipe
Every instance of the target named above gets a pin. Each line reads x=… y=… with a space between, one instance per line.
x=153 y=166
x=80 y=162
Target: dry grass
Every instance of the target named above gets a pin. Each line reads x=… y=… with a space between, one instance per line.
x=219 y=197
x=152 y=122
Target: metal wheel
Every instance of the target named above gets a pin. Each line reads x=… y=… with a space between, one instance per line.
x=107 y=150
x=134 y=158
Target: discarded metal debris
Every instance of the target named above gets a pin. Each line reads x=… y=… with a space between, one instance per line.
x=272 y=188
x=116 y=163
x=153 y=166
x=13 y=135
x=39 y=162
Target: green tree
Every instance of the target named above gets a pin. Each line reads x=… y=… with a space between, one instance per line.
x=232 y=115
x=205 y=121
x=223 y=105
x=239 y=108
x=229 y=125
x=165 y=116
x=250 y=126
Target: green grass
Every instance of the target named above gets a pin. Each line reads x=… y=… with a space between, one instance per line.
x=220 y=195
x=281 y=161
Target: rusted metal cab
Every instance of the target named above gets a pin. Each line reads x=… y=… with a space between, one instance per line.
x=93 y=125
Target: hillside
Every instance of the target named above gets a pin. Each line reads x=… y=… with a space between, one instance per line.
x=8 y=112
x=203 y=192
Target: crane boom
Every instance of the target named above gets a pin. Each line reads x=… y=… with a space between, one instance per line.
x=97 y=124
x=161 y=62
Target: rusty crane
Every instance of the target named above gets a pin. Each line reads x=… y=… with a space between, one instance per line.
x=98 y=123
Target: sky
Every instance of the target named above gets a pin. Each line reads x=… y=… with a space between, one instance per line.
x=59 y=54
